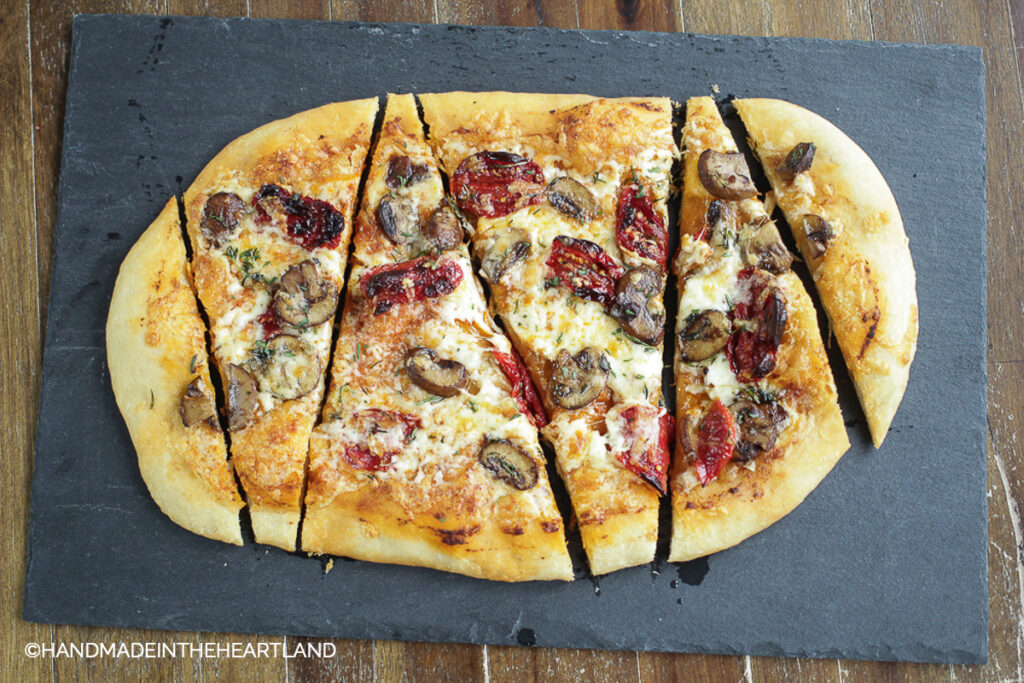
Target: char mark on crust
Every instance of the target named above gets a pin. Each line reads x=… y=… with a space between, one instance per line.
x=874 y=316
x=550 y=526
x=457 y=536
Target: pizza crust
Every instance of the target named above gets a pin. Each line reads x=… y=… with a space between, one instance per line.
x=866 y=277
x=154 y=334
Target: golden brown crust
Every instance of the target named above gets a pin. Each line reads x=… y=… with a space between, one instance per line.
x=866 y=276
x=317 y=153
x=155 y=348
x=434 y=504
x=743 y=500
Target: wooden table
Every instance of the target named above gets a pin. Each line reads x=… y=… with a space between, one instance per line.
x=34 y=39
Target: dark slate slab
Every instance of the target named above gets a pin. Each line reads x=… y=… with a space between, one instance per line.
x=885 y=560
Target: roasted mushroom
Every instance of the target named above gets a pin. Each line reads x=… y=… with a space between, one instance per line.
x=797 y=161
x=403 y=173
x=443 y=229
x=704 y=335
x=303 y=297
x=633 y=295
x=721 y=222
x=398 y=220
x=508 y=463
x=221 y=215
x=196 y=405
x=763 y=248
x=759 y=425
x=241 y=396
x=578 y=379
x=289 y=368
x=725 y=174
x=503 y=251
x=437 y=375
x=572 y=198
x=819 y=234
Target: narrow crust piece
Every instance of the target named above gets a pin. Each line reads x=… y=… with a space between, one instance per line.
x=422 y=457
x=758 y=421
x=156 y=349
x=568 y=197
x=270 y=220
x=849 y=231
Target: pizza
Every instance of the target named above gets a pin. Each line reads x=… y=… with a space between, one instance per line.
x=506 y=291
x=269 y=220
x=156 y=352
x=424 y=455
x=849 y=231
x=758 y=420
x=567 y=195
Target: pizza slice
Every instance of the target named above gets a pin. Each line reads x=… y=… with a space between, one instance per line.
x=849 y=231
x=423 y=456
x=269 y=220
x=758 y=423
x=568 y=198
x=156 y=352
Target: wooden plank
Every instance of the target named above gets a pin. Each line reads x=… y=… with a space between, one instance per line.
x=421 y=11
x=401 y=661
x=207 y=8
x=835 y=19
x=297 y=9
x=512 y=664
x=19 y=362
x=353 y=661
x=631 y=15
x=474 y=13
x=741 y=17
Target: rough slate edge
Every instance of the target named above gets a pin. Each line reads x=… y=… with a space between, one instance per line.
x=63 y=528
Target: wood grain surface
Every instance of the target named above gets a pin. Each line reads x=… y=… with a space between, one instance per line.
x=34 y=40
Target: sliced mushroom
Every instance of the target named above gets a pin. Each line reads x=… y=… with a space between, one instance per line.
x=221 y=215
x=704 y=335
x=291 y=367
x=578 y=379
x=633 y=295
x=759 y=425
x=196 y=405
x=398 y=219
x=797 y=161
x=572 y=198
x=241 y=396
x=721 y=222
x=303 y=297
x=508 y=463
x=502 y=252
x=819 y=234
x=763 y=248
x=725 y=174
x=443 y=229
x=438 y=376
x=403 y=173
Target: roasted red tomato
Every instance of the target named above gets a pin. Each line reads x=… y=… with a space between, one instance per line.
x=400 y=283
x=384 y=434
x=310 y=222
x=716 y=441
x=270 y=322
x=759 y=319
x=584 y=268
x=492 y=184
x=649 y=435
x=638 y=227
x=522 y=387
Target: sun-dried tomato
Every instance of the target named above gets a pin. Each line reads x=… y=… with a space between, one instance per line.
x=584 y=268
x=523 y=390
x=492 y=184
x=312 y=223
x=384 y=433
x=270 y=321
x=716 y=441
x=638 y=227
x=400 y=283
x=648 y=454
x=759 y=319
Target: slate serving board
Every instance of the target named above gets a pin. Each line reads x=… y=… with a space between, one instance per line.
x=885 y=560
